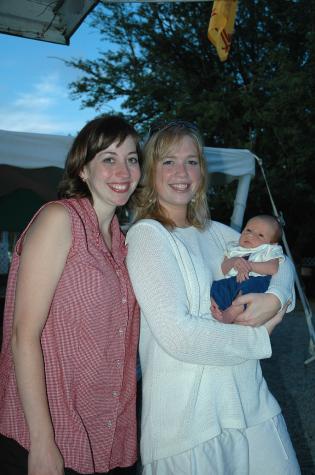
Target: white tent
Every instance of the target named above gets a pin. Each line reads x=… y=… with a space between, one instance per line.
x=48 y=20
x=44 y=20
x=30 y=169
x=233 y=164
x=30 y=150
x=35 y=161
x=31 y=166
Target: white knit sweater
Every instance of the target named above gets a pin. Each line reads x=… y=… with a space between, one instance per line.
x=199 y=375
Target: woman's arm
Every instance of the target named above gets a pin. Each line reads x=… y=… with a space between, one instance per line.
x=282 y=284
x=261 y=307
x=45 y=249
x=160 y=290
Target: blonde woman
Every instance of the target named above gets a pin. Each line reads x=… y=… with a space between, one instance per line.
x=206 y=406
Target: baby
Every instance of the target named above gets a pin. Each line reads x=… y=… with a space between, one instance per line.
x=248 y=266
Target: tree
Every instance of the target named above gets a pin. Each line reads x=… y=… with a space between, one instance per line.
x=162 y=65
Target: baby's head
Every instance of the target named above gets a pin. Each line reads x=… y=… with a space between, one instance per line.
x=263 y=229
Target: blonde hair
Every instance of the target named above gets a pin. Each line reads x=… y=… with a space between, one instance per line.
x=145 y=201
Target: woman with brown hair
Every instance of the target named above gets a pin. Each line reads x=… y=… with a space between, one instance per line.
x=68 y=361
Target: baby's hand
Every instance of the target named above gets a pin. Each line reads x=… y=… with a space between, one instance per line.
x=241 y=276
x=243 y=267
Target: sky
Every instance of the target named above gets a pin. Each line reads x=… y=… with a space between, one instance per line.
x=34 y=95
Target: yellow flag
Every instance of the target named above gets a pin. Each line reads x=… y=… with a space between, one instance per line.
x=221 y=26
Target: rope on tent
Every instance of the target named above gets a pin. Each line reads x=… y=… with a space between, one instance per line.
x=305 y=303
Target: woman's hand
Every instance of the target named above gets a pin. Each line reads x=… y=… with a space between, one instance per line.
x=260 y=308
x=45 y=459
x=274 y=321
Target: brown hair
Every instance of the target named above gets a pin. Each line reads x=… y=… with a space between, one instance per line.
x=145 y=201
x=274 y=223
x=96 y=135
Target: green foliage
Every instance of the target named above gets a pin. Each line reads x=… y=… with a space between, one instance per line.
x=162 y=65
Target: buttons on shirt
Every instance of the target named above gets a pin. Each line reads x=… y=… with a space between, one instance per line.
x=109 y=424
x=115 y=393
x=121 y=331
x=118 y=363
x=123 y=300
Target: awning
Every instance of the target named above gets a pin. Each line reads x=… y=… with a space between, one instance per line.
x=45 y=20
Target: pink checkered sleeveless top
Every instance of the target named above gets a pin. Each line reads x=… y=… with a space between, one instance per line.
x=89 y=344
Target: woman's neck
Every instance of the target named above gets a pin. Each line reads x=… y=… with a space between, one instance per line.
x=182 y=224
x=179 y=216
x=104 y=220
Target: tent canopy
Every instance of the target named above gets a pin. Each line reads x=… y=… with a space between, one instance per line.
x=45 y=20
x=54 y=21
x=31 y=166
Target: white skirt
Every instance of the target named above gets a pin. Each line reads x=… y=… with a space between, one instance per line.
x=264 y=449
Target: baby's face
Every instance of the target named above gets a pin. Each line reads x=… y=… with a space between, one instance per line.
x=256 y=232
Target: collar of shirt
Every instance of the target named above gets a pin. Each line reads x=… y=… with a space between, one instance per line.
x=119 y=249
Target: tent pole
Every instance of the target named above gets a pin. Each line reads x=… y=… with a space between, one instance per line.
x=306 y=306
x=240 y=202
x=305 y=303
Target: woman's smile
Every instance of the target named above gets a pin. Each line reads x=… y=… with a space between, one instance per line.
x=180 y=186
x=119 y=187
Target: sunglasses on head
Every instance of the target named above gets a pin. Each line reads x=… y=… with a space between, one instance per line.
x=164 y=125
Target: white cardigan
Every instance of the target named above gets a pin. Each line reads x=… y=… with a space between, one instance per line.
x=199 y=375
